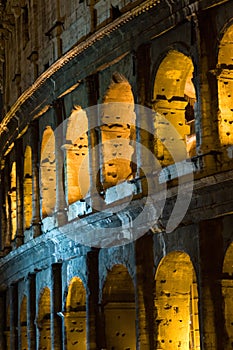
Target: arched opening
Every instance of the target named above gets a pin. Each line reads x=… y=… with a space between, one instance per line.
x=23 y=324
x=174 y=99
x=13 y=201
x=225 y=88
x=176 y=304
x=117 y=132
x=75 y=316
x=227 y=291
x=6 y=218
x=27 y=187
x=43 y=320
x=119 y=309
x=76 y=155
x=48 y=172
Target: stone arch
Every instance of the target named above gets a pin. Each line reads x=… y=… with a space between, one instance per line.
x=76 y=155
x=13 y=201
x=48 y=172
x=43 y=320
x=23 y=324
x=174 y=98
x=117 y=132
x=176 y=303
x=118 y=300
x=75 y=315
x=227 y=291
x=225 y=87
x=27 y=187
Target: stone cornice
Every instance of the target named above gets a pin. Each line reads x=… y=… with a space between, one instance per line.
x=37 y=249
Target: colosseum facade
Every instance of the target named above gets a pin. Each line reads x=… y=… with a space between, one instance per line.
x=116 y=150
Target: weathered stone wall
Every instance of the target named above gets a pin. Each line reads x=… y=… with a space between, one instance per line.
x=36 y=36
x=63 y=281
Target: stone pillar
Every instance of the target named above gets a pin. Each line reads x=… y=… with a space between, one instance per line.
x=227 y=291
x=57 y=321
x=31 y=311
x=5 y=236
x=143 y=69
x=92 y=301
x=55 y=32
x=144 y=122
x=207 y=91
x=19 y=191
x=34 y=24
x=3 y=320
x=144 y=293
x=145 y=116
x=60 y=208
x=34 y=140
x=13 y=291
x=212 y=329
x=17 y=22
x=92 y=84
x=93 y=13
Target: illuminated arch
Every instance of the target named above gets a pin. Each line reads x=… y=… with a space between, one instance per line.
x=23 y=324
x=174 y=98
x=43 y=320
x=119 y=309
x=176 y=304
x=225 y=87
x=27 y=187
x=76 y=155
x=227 y=291
x=117 y=131
x=228 y=261
x=48 y=172
x=6 y=220
x=13 y=201
x=75 y=316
